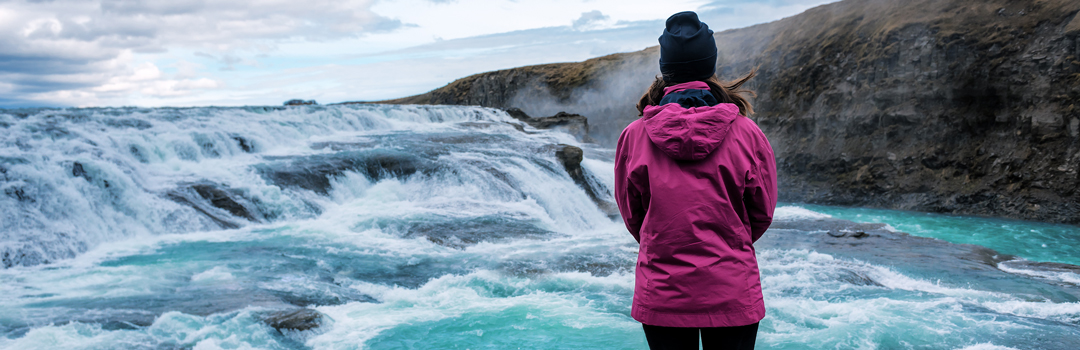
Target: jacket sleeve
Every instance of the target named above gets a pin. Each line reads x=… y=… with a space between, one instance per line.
x=629 y=198
x=760 y=192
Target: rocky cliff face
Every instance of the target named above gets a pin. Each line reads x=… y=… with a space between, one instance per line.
x=944 y=106
x=954 y=106
x=604 y=89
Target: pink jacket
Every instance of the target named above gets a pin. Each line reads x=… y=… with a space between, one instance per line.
x=696 y=187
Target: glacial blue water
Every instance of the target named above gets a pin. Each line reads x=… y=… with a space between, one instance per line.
x=414 y=227
x=1031 y=240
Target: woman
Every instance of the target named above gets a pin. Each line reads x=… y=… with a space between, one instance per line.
x=695 y=181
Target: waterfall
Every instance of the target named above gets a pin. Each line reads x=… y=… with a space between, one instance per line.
x=73 y=179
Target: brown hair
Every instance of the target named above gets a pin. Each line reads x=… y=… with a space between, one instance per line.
x=725 y=92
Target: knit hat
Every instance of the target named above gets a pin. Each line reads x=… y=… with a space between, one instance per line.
x=687 y=49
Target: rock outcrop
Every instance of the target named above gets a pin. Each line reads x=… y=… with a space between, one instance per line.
x=295 y=320
x=217 y=202
x=314 y=173
x=570 y=157
x=299 y=102
x=598 y=88
x=959 y=107
x=953 y=106
x=573 y=124
x=298 y=325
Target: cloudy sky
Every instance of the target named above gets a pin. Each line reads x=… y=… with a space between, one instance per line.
x=263 y=52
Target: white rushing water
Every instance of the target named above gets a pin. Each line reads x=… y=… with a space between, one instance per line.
x=76 y=178
x=406 y=227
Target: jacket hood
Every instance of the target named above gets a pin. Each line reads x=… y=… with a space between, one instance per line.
x=689 y=133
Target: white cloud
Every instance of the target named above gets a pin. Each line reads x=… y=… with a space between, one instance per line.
x=121 y=82
x=233 y=52
x=592 y=20
x=455 y=20
x=51 y=49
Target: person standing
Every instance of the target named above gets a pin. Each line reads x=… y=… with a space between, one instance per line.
x=695 y=182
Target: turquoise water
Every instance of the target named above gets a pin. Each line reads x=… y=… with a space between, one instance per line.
x=431 y=297
x=412 y=228
x=1031 y=240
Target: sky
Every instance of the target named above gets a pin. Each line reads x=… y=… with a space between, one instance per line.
x=99 y=53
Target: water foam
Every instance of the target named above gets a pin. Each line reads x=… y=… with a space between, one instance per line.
x=74 y=178
x=793 y=212
x=813 y=297
x=986 y=346
x=569 y=275
x=237 y=330
x=558 y=297
x=1061 y=276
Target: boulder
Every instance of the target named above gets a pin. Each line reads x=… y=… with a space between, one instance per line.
x=315 y=172
x=299 y=102
x=222 y=199
x=570 y=157
x=294 y=320
x=218 y=202
x=573 y=124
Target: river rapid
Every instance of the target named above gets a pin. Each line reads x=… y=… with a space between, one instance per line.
x=440 y=227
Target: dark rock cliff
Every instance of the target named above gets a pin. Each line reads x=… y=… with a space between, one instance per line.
x=944 y=106
x=954 y=106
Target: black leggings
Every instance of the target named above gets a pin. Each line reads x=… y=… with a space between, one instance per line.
x=678 y=338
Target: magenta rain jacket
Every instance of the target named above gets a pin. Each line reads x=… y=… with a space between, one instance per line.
x=696 y=187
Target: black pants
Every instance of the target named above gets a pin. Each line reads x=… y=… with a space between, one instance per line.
x=677 y=338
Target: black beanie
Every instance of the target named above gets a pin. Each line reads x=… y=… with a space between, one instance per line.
x=687 y=49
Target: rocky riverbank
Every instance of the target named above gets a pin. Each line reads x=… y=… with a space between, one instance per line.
x=957 y=106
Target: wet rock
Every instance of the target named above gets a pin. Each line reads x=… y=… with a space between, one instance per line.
x=264 y=109
x=570 y=157
x=858 y=278
x=245 y=144
x=20 y=193
x=18 y=257
x=218 y=202
x=1045 y=267
x=459 y=234
x=330 y=295
x=314 y=172
x=847 y=233
x=299 y=102
x=78 y=171
x=139 y=154
x=129 y=123
x=294 y=320
x=222 y=200
x=573 y=124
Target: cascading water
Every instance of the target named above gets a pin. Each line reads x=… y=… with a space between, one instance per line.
x=73 y=179
x=425 y=227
